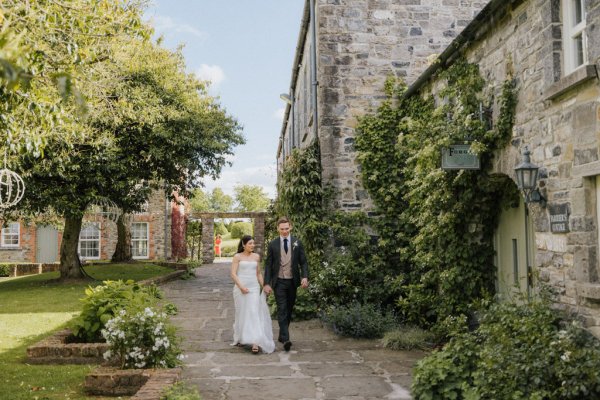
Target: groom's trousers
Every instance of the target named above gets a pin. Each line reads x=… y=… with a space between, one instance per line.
x=285 y=297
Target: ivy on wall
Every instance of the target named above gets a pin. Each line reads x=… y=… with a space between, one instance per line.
x=301 y=196
x=345 y=265
x=437 y=224
x=434 y=254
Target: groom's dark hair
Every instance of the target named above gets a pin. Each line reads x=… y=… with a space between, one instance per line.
x=283 y=220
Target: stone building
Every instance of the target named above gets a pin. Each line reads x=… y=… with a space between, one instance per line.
x=552 y=49
x=346 y=49
x=152 y=235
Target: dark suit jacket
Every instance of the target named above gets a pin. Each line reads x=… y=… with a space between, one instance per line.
x=273 y=261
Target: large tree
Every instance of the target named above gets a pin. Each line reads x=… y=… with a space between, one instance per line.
x=148 y=124
x=251 y=198
x=219 y=201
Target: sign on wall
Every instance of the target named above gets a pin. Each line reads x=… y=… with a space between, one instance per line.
x=559 y=217
x=459 y=156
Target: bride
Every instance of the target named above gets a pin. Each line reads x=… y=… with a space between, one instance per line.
x=252 y=324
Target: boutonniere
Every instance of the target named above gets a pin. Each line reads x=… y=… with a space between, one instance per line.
x=295 y=244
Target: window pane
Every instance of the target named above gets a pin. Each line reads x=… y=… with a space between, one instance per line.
x=90 y=231
x=10 y=234
x=578 y=50
x=577 y=12
x=139 y=248
x=139 y=239
x=139 y=231
x=90 y=249
x=89 y=241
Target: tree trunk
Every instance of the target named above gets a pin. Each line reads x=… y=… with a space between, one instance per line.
x=123 y=250
x=70 y=266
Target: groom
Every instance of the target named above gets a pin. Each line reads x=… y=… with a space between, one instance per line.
x=286 y=268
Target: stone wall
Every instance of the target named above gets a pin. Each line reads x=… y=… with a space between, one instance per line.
x=558 y=119
x=360 y=44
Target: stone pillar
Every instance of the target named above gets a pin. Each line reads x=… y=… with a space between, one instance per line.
x=259 y=235
x=208 y=240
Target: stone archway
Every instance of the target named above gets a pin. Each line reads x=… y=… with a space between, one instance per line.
x=208 y=230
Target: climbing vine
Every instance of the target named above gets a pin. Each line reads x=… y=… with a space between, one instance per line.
x=437 y=225
x=302 y=197
x=345 y=264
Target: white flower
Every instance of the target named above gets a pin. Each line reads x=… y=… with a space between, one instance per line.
x=566 y=356
x=295 y=244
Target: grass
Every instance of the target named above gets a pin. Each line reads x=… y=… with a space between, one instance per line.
x=34 y=306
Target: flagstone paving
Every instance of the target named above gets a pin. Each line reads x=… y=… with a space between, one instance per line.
x=320 y=366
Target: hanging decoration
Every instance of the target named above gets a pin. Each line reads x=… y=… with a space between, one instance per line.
x=12 y=187
x=103 y=208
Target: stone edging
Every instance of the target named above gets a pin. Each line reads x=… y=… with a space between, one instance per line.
x=55 y=350
x=159 y=381
x=142 y=384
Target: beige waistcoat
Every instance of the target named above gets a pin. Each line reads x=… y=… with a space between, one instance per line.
x=285 y=267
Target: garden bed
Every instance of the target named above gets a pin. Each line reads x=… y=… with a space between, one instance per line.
x=142 y=384
x=63 y=348
x=60 y=348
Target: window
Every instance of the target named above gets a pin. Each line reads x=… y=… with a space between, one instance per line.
x=11 y=234
x=89 y=241
x=574 y=38
x=139 y=240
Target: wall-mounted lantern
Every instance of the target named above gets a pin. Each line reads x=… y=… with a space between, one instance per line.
x=527 y=175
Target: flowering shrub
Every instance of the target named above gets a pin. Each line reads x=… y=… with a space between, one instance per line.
x=142 y=339
x=103 y=302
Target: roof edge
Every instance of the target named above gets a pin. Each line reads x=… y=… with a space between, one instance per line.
x=477 y=28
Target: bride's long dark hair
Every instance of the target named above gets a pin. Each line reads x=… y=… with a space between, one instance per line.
x=245 y=239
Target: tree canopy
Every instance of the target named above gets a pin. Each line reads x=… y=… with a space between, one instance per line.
x=126 y=116
x=251 y=198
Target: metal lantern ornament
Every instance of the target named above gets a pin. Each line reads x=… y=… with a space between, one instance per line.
x=12 y=187
x=103 y=208
x=527 y=176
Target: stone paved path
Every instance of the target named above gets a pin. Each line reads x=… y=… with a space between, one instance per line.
x=320 y=365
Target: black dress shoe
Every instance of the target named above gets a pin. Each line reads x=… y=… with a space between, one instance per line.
x=287 y=345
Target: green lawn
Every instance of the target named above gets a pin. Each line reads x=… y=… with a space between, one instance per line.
x=30 y=309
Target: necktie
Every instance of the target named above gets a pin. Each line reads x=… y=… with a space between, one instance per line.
x=285 y=245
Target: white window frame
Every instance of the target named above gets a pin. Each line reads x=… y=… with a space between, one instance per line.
x=146 y=239
x=570 y=32
x=99 y=240
x=8 y=232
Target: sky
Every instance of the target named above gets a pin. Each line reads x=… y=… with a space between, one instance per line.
x=246 y=49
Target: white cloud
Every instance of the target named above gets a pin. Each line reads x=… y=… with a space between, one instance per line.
x=264 y=176
x=212 y=73
x=279 y=114
x=163 y=24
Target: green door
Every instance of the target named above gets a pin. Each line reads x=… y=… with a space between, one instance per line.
x=514 y=244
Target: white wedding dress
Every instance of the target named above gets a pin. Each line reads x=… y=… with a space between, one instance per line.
x=252 y=319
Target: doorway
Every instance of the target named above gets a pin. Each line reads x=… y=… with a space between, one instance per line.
x=46 y=244
x=514 y=243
